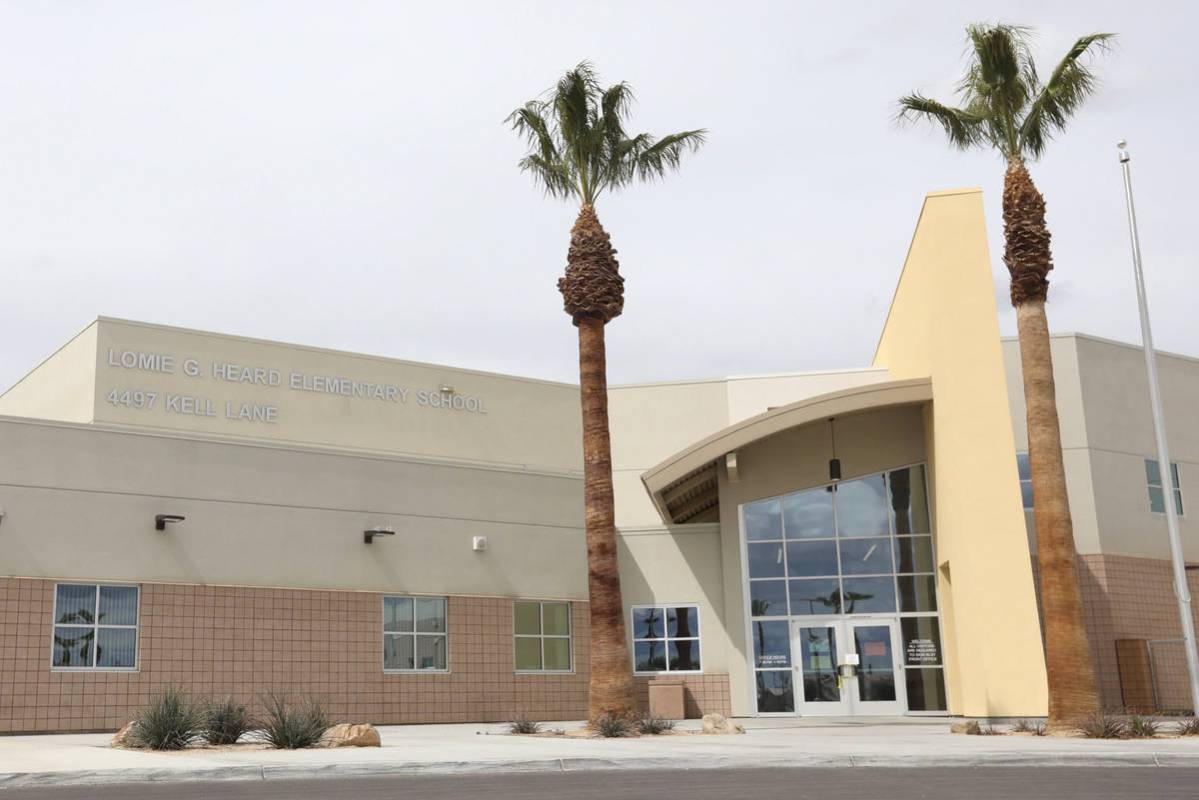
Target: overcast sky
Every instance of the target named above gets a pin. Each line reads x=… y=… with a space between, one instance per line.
x=338 y=174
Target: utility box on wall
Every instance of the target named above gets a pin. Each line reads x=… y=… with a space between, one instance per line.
x=666 y=699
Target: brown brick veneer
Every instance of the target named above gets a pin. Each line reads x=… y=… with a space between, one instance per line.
x=244 y=642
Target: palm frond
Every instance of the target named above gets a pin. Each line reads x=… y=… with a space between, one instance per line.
x=577 y=140
x=1070 y=84
x=665 y=155
x=964 y=128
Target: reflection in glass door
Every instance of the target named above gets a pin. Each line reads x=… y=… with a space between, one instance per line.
x=819 y=688
x=876 y=689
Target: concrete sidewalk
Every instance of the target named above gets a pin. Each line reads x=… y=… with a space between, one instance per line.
x=81 y=759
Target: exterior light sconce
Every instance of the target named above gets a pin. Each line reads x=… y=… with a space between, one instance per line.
x=369 y=534
x=446 y=389
x=162 y=520
x=1 y=515
x=479 y=544
x=834 y=463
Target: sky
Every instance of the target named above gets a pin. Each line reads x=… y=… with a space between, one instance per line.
x=338 y=174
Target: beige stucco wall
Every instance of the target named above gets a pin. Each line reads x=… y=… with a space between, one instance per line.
x=522 y=422
x=943 y=324
x=1107 y=433
x=61 y=387
x=80 y=503
x=796 y=459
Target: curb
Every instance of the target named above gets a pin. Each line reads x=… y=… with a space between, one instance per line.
x=279 y=772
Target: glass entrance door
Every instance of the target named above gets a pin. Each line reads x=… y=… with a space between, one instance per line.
x=819 y=648
x=846 y=667
x=876 y=688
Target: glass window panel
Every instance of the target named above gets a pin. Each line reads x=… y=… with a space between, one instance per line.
x=528 y=653
x=73 y=646
x=869 y=595
x=768 y=598
x=555 y=618
x=430 y=652
x=397 y=613
x=527 y=617
x=1026 y=493
x=772 y=643
x=684 y=654
x=1174 y=474
x=921 y=641
x=774 y=691
x=818 y=660
x=1022 y=467
x=763 y=520
x=926 y=689
x=909 y=500
x=682 y=621
x=808 y=515
x=1178 y=500
x=810 y=559
x=649 y=656
x=1153 y=472
x=1157 y=503
x=557 y=654
x=648 y=623
x=815 y=596
x=866 y=557
x=398 y=652
x=914 y=554
x=75 y=604
x=765 y=560
x=917 y=593
x=430 y=614
x=118 y=605
x=862 y=507
x=116 y=647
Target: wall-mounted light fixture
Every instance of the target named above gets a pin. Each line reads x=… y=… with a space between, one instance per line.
x=478 y=544
x=162 y=520
x=1 y=515
x=447 y=389
x=834 y=463
x=369 y=534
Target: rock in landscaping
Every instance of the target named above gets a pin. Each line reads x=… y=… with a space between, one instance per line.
x=123 y=737
x=351 y=735
x=717 y=724
x=970 y=728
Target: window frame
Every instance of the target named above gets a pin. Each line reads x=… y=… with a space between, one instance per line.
x=384 y=633
x=542 y=636
x=96 y=626
x=666 y=639
x=1179 y=506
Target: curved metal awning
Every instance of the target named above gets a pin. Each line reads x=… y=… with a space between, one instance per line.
x=683 y=487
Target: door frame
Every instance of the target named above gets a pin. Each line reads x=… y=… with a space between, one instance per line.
x=850 y=704
x=880 y=708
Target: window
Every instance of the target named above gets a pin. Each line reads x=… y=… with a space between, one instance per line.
x=666 y=639
x=414 y=634
x=1025 y=473
x=1153 y=476
x=95 y=627
x=542 y=635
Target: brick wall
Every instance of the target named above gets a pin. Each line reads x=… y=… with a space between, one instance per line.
x=246 y=642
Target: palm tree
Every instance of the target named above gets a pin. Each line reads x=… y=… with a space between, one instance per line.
x=578 y=149
x=1006 y=107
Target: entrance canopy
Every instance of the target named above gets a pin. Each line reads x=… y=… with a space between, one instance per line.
x=684 y=486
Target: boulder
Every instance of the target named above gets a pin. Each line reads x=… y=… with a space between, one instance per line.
x=123 y=737
x=970 y=728
x=351 y=735
x=717 y=724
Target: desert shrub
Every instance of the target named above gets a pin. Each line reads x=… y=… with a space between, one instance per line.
x=287 y=727
x=989 y=730
x=1104 y=726
x=653 y=725
x=1141 y=727
x=1188 y=726
x=170 y=721
x=612 y=726
x=1035 y=727
x=225 y=721
x=520 y=723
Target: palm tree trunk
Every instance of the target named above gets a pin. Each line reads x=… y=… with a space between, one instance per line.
x=611 y=689
x=1072 y=693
